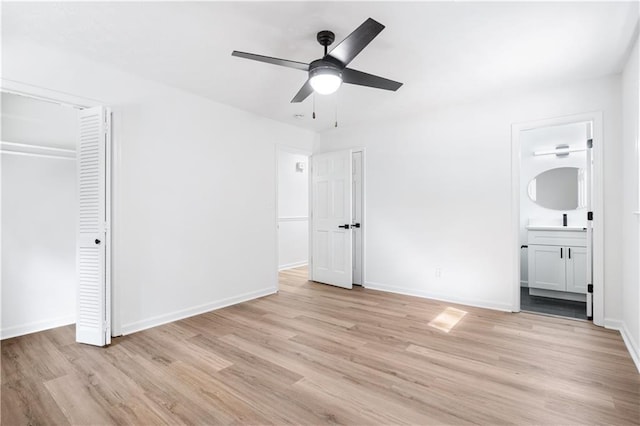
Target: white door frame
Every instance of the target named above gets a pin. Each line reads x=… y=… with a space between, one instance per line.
x=360 y=201
x=597 y=203
x=364 y=216
x=113 y=165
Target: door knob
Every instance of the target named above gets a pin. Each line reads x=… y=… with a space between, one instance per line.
x=97 y=241
x=355 y=225
x=346 y=226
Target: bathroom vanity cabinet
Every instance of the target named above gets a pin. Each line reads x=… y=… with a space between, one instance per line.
x=558 y=259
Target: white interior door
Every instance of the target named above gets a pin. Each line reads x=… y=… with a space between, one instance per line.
x=589 y=254
x=332 y=239
x=93 y=315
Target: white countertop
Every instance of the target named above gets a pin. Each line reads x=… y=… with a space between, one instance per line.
x=555 y=228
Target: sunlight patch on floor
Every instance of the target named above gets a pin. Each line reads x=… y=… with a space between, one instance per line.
x=447 y=319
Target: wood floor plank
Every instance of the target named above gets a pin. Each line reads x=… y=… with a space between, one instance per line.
x=316 y=354
x=28 y=402
x=77 y=402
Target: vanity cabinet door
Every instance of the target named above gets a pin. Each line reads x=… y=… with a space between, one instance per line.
x=576 y=269
x=547 y=267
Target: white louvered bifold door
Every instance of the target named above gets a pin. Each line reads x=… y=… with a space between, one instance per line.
x=93 y=314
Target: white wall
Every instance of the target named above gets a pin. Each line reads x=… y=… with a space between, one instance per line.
x=194 y=188
x=545 y=139
x=38 y=217
x=439 y=192
x=631 y=236
x=293 y=209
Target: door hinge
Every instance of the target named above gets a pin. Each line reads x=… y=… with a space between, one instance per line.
x=589 y=215
x=589 y=143
x=589 y=288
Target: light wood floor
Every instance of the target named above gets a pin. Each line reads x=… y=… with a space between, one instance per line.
x=315 y=354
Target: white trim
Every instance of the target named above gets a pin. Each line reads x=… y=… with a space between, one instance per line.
x=34 y=327
x=486 y=304
x=293 y=218
x=294 y=150
x=107 y=232
x=365 y=225
x=292 y=265
x=632 y=346
x=116 y=172
x=638 y=212
x=310 y=221
x=41 y=93
x=196 y=310
x=276 y=182
x=598 y=204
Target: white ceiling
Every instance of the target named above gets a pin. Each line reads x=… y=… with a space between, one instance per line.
x=443 y=52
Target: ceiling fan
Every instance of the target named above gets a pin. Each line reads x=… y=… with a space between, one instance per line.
x=328 y=73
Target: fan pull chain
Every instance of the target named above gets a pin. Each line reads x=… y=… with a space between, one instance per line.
x=337 y=98
x=314 y=105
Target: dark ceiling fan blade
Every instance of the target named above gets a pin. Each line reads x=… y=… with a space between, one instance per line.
x=360 y=78
x=303 y=93
x=349 y=48
x=275 y=61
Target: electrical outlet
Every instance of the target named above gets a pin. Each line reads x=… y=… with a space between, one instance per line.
x=438 y=272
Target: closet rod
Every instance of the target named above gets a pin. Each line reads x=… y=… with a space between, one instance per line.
x=31 y=154
x=26 y=145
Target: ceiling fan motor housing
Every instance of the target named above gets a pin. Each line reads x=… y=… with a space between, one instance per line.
x=321 y=66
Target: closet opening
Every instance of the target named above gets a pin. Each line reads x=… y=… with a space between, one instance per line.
x=56 y=248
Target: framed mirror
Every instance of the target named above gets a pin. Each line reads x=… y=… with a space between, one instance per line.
x=562 y=188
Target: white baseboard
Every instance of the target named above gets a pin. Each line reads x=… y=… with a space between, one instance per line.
x=292 y=265
x=442 y=298
x=196 y=310
x=630 y=343
x=34 y=327
x=524 y=283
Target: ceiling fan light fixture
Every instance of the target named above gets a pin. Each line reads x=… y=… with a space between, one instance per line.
x=325 y=80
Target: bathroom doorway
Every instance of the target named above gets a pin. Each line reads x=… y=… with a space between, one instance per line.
x=555 y=194
x=292 y=166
